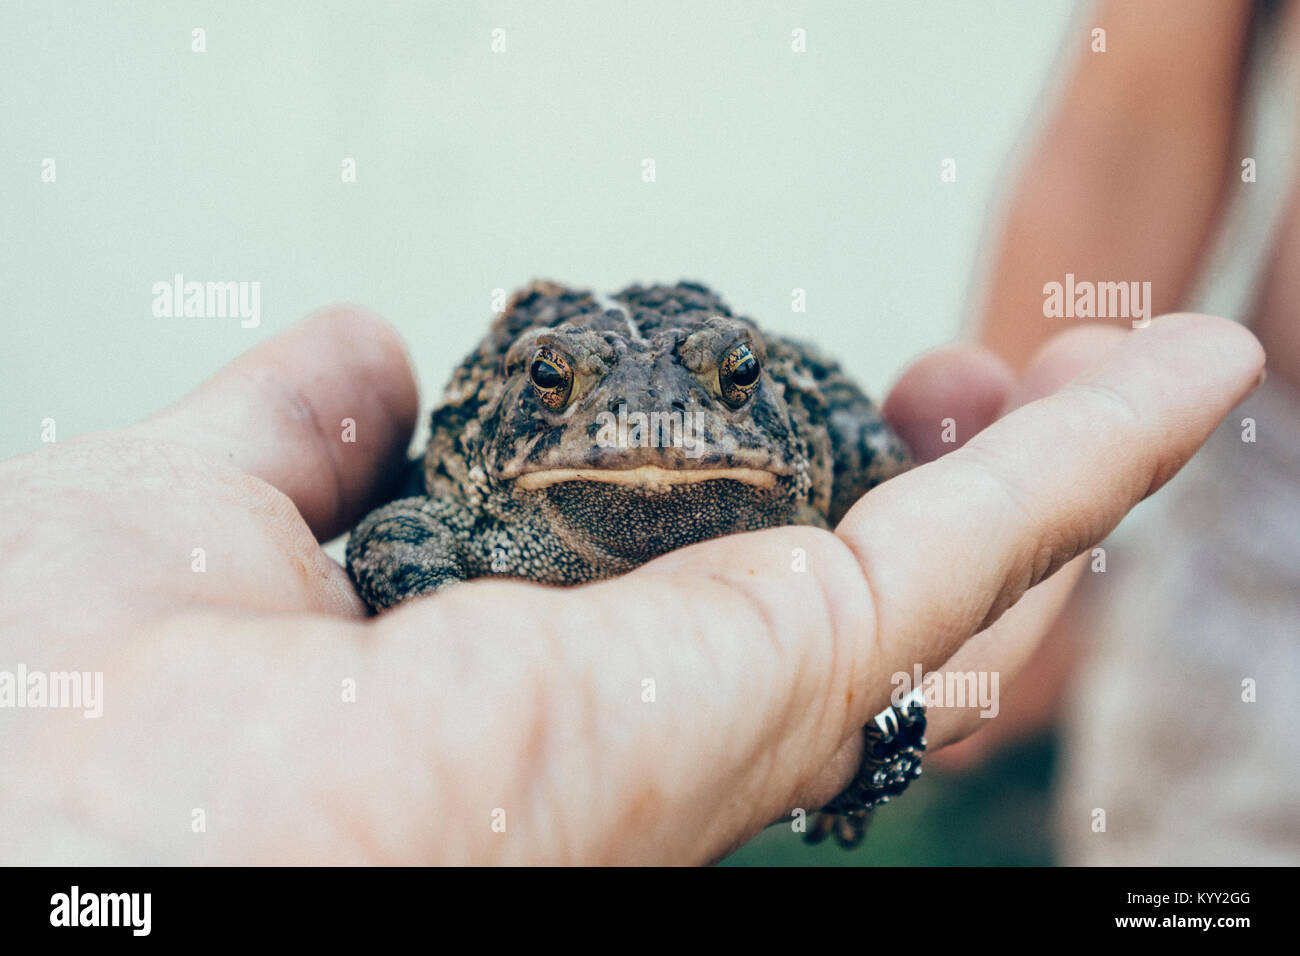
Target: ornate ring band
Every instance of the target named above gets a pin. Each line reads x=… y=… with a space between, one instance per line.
x=891 y=759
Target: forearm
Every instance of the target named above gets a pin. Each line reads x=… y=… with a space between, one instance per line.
x=1128 y=176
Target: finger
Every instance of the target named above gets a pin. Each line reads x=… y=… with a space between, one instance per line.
x=996 y=656
x=1042 y=484
x=946 y=397
x=968 y=692
x=323 y=412
x=973 y=386
x=1024 y=693
x=1062 y=359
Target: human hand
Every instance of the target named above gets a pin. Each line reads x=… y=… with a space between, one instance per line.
x=501 y=700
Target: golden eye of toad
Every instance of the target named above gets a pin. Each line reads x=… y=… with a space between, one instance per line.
x=551 y=377
x=739 y=375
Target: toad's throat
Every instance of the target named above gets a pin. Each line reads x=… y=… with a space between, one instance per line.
x=646 y=476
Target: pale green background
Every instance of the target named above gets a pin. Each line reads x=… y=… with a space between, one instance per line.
x=480 y=170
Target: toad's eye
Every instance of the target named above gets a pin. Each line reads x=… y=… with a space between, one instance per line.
x=552 y=378
x=738 y=375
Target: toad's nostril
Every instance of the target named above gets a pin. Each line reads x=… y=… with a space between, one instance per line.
x=678 y=405
x=615 y=403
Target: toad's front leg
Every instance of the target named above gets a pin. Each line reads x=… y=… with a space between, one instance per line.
x=405 y=549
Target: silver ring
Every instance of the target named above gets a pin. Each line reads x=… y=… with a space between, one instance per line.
x=891 y=759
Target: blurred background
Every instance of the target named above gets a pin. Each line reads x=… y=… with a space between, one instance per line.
x=497 y=142
x=478 y=170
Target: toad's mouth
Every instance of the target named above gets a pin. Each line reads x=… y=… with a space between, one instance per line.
x=617 y=518
x=645 y=476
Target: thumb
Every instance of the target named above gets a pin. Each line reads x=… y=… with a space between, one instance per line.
x=323 y=412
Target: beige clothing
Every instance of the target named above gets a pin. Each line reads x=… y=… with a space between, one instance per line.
x=1203 y=597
